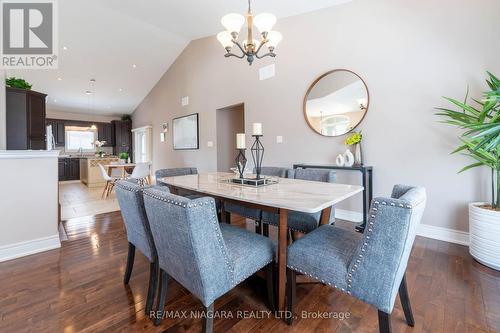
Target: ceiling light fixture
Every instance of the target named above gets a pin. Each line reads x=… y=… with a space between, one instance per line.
x=134 y=66
x=88 y=92
x=59 y=79
x=120 y=90
x=251 y=47
x=65 y=48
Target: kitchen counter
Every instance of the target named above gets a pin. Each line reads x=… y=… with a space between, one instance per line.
x=90 y=173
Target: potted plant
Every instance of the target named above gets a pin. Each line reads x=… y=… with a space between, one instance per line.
x=123 y=157
x=99 y=145
x=480 y=140
x=15 y=82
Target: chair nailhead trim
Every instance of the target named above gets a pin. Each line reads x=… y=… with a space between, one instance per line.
x=371 y=224
x=318 y=279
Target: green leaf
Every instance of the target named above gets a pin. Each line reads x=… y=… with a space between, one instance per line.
x=473 y=165
x=463 y=106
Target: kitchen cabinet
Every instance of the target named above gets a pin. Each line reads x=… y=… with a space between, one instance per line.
x=123 y=137
x=106 y=132
x=61 y=168
x=57 y=131
x=69 y=168
x=25 y=119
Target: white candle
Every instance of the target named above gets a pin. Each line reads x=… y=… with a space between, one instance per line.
x=257 y=129
x=240 y=141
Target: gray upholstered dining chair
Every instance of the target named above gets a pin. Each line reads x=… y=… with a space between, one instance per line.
x=173 y=172
x=205 y=257
x=253 y=213
x=130 y=199
x=298 y=221
x=370 y=267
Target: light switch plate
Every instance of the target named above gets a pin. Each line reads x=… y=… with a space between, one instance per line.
x=185 y=101
x=162 y=137
x=267 y=72
x=279 y=139
x=210 y=144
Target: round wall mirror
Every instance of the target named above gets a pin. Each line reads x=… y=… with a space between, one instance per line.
x=336 y=102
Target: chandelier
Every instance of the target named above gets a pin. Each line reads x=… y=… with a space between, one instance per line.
x=251 y=47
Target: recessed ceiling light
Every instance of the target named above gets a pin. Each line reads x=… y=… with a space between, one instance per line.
x=134 y=66
x=120 y=90
x=65 y=48
x=55 y=101
x=88 y=92
x=59 y=79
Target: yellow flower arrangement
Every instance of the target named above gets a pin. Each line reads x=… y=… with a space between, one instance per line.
x=354 y=138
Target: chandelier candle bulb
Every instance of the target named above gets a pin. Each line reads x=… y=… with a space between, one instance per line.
x=257 y=129
x=240 y=141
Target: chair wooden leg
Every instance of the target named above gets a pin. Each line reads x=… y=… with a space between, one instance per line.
x=130 y=263
x=384 y=322
x=208 y=319
x=265 y=229
x=290 y=294
x=405 y=302
x=162 y=295
x=270 y=286
x=153 y=282
x=105 y=189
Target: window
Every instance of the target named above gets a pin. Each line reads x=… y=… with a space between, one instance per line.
x=80 y=138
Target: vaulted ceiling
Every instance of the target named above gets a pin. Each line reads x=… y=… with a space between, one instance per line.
x=127 y=45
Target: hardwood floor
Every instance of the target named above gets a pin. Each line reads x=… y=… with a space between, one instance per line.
x=79 y=288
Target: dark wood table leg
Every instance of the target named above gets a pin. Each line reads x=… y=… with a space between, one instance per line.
x=361 y=227
x=223 y=216
x=325 y=216
x=282 y=247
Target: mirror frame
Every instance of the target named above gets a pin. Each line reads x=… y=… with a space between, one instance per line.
x=304 y=105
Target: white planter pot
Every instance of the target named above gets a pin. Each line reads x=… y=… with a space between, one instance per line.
x=484 y=234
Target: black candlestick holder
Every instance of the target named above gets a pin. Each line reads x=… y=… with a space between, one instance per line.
x=241 y=161
x=257 y=154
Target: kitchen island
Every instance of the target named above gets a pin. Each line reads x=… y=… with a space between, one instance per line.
x=90 y=174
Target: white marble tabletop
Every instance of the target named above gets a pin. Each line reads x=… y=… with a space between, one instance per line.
x=292 y=194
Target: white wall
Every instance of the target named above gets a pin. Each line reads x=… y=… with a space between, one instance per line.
x=3 y=133
x=410 y=53
x=28 y=203
x=60 y=114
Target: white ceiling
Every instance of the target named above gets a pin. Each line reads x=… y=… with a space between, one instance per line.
x=104 y=38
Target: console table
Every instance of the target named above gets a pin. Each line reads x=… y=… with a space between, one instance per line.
x=367 y=175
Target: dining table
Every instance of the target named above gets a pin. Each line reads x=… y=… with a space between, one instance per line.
x=280 y=198
x=123 y=167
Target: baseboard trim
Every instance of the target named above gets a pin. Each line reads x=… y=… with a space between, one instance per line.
x=348 y=215
x=443 y=234
x=424 y=230
x=22 y=249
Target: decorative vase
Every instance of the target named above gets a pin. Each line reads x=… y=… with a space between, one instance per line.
x=340 y=160
x=348 y=158
x=358 y=154
x=484 y=235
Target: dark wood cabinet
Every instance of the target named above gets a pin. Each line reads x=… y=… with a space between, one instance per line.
x=57 y=131
x=106 y=132
x=69 y=168
x=61 y=167
x=25 y=119
x=60 y=137
x=123 y=137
